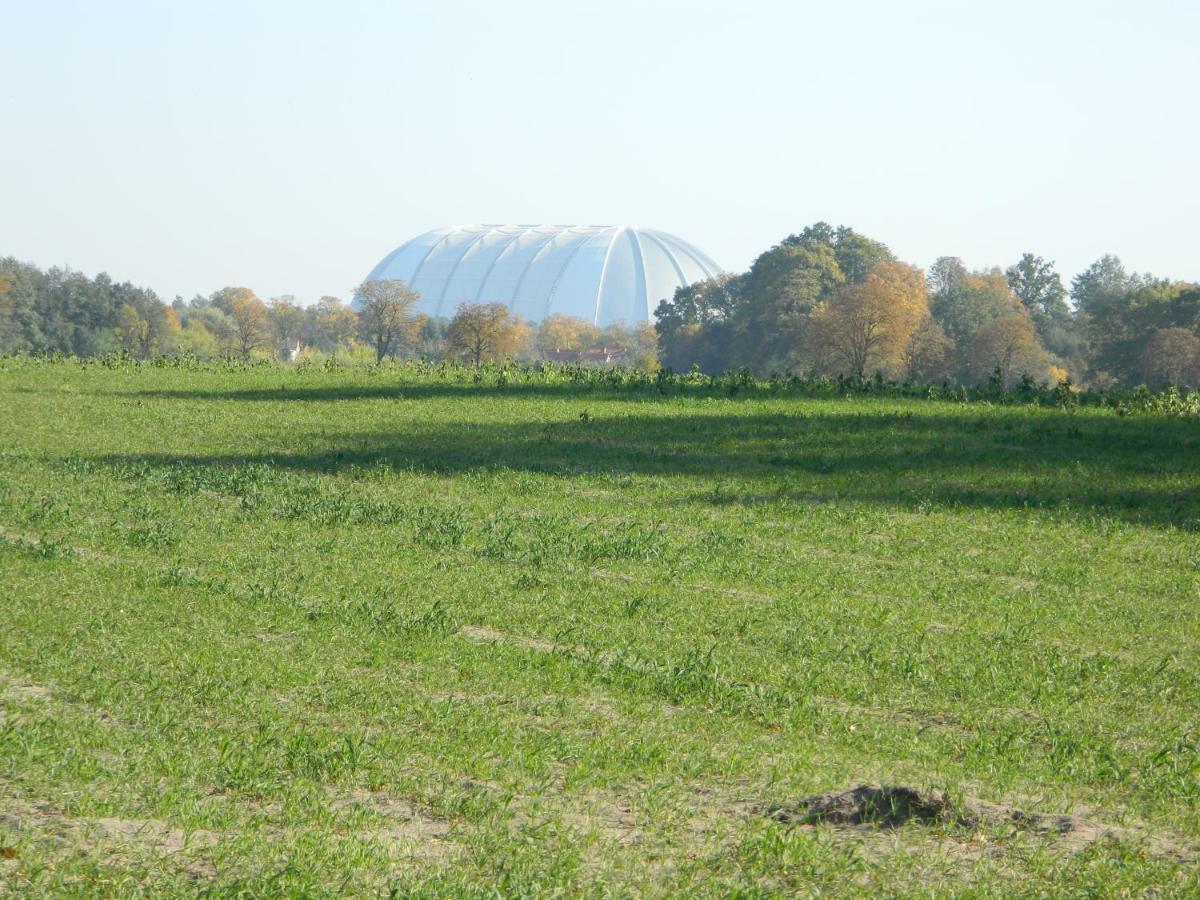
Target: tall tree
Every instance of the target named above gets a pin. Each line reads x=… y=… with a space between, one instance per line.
x=133 y=331
x=287 y=321
x=1007 y=345
x=387 y=315
x=561 y=332
x=7 y=304
x=695 y=327
x=1101 y=284
x=217 y=324
x=928 y=354
x=972 y=300
x=197 y=340
x=866 y=325
x=785 y=284
x=248 y=316
x=1123 y=321
x=481 y=332
x=782 y=287
x=147 y=331
x=334 y=323
x=1172 y=356
x=945 y=275
x=1036 y=284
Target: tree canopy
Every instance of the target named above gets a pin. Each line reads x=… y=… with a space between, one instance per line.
x=824 y=300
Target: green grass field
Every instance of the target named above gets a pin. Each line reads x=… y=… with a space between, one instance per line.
x=302 y=632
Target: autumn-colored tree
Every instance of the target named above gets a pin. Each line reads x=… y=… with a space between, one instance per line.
x=6 y=300
x=334 y=323
x=645 y=347
x=1007 y=346
x=784 y=285
x=226 y=296
x=928 y=353
x=1172 y=356
x=248 y=316
x=866 y=326
x=480 y=332
x=251 y=324
x=132 y=330
x=147 y=331
x=387 y=315
x=562 y=332
x=287 y=321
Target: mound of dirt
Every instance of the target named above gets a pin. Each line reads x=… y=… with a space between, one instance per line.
x=890 y=806
x=873 y=806
x=881 y=806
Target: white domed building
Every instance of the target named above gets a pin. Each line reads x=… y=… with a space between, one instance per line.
x=602 y=273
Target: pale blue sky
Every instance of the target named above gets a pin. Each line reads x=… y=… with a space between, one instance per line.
x=287 y=146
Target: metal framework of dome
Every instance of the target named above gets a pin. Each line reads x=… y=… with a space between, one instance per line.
x=602 y=273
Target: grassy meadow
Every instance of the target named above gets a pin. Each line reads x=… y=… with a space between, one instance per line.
x=305 y=631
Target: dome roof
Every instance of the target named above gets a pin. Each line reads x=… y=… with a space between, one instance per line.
x=601 y=273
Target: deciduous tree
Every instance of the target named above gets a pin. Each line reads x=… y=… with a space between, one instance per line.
x=695 y=327
x=945 y=275
x=866 y=326
x=1172 y=356
x=196 y=339
x=146 y=328
x=1036 y=284
x=969 y=300
x=562 y=332
x=132 y=330
x=1102 y=284
x=928 y=354
x=480 y=332
x=8 y=306
x=334 y=323
x=287 y=321
x=387 y=315
x=1007 y=345
x=248 y=316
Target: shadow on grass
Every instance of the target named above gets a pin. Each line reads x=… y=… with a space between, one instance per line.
x=422 y=390
x=1144 y=470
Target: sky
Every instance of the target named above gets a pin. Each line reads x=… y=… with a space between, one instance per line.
x=288 y=146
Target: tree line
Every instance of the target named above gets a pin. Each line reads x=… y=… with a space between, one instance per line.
x=825 y=301
x=830 y=301
x=61 y=311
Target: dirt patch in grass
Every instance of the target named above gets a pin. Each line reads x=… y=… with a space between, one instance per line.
x=400 y=826
x=884 y=807
x=482 y=634
x=41 y=696
x=43 y=822
x=23 y=690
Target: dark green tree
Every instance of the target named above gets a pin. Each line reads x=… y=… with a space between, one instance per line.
x=696 y=325
x=1038 y=286
x=787 y=282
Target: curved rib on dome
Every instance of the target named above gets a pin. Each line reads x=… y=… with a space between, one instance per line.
x=601 y=273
